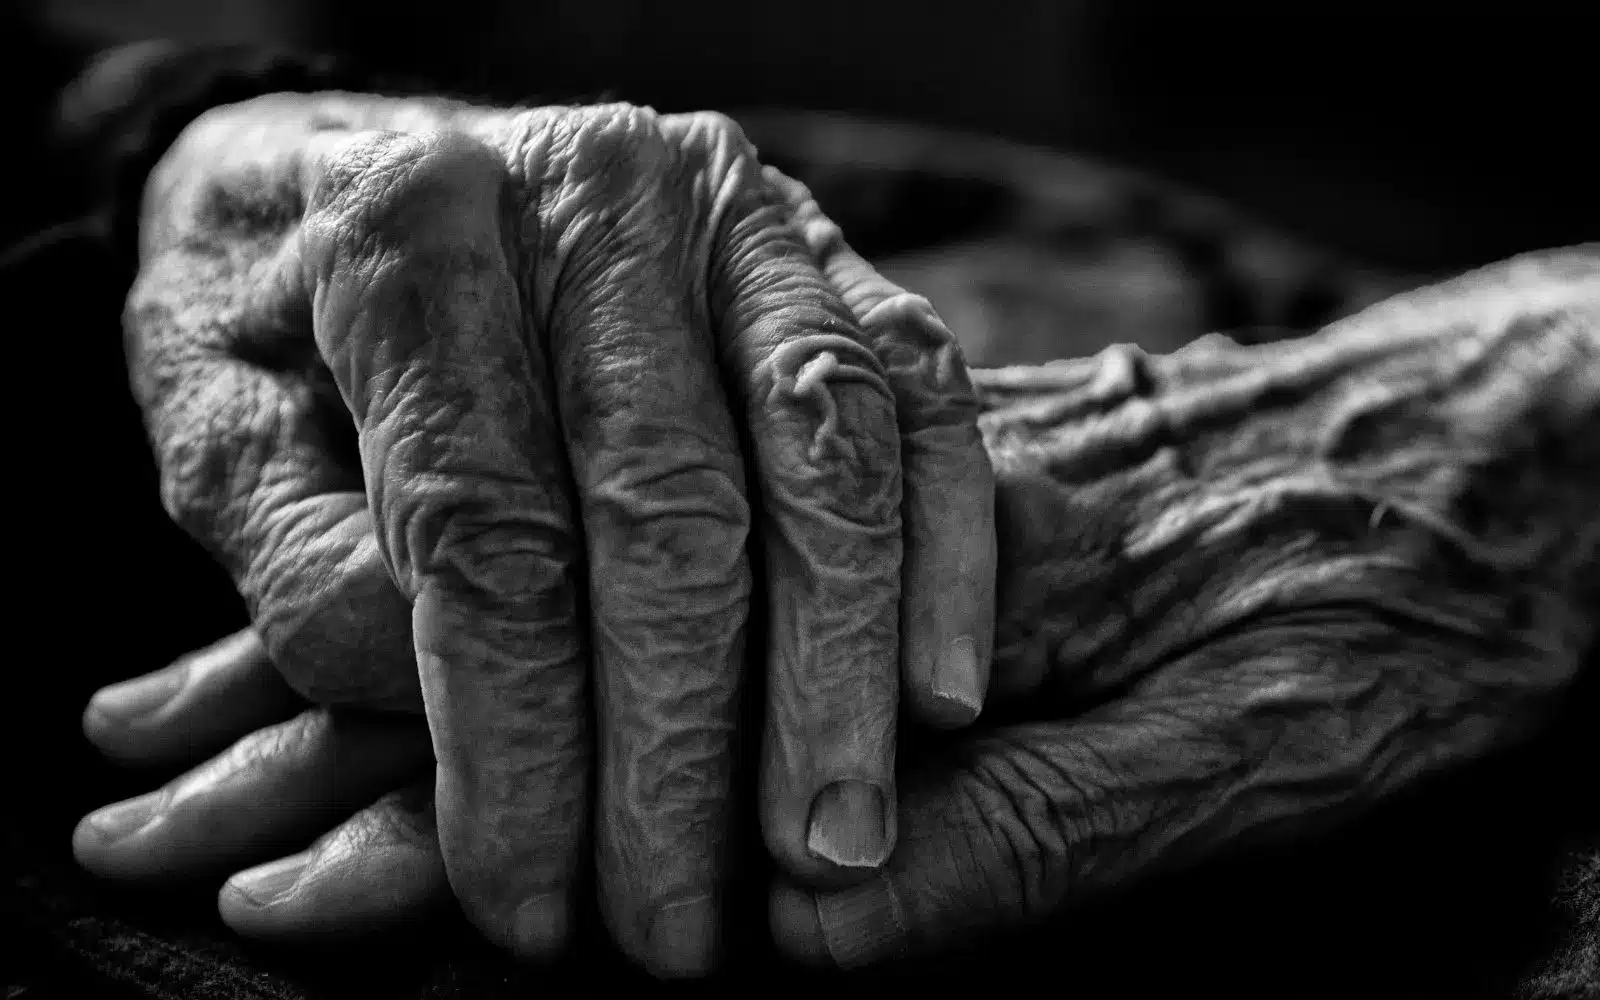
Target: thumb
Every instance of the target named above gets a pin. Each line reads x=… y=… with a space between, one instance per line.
x=988 y=839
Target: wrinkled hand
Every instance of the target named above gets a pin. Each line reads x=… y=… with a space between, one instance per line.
x=1243 y=592
x=566 y=340
x=1246 y=592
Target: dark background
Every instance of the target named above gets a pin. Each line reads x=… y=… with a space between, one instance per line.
x=1410 y=134
x=1402 y=135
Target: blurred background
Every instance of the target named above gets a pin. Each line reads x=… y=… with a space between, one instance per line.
x=1411 y=135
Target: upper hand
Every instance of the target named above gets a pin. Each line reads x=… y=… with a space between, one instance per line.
x=584 y=351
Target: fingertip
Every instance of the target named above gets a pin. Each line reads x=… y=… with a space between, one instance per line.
x=251 y=901
x=796 y=926
x=844 y=928
x=938 y=710
x=945 y=682
x=97 y=837
x=98 y=727
x=684 y=939
x=86 y=844
x=539 y=927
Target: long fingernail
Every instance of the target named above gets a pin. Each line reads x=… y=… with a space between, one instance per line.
x=955 y=676
x=266 y=884
x=139 y=697
x=847 y=825
x=120 y=821
x=683 y=937
x=540 y=925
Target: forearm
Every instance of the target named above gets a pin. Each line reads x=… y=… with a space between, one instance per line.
x=1435 y=459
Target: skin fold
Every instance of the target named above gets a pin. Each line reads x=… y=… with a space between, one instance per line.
x=1242 y=591
x=485 y=411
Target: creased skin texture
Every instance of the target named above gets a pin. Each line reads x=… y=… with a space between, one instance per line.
x=549 y=328
x=1251 y=590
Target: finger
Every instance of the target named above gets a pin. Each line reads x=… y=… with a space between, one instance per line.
x=948 y=590
x=1273 y=731
x=827 y=453
x=276 y=788
x=660 y=479
x=420 y=319
x=251 y=437
x=377 y=870
x=192 y=709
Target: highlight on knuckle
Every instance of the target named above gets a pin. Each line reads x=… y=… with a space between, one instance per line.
x=615 y=147
x=379 y=186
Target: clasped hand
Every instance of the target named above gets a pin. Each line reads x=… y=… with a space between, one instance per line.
x=594 y=360
x=1240 y=592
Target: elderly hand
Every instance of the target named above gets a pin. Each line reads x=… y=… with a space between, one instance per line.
x=1245 y=592
x=582 y=351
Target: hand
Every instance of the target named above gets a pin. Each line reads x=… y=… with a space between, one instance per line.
x=1247 y=592
x=356 y=786
x=471 y=286
x=1210 y=644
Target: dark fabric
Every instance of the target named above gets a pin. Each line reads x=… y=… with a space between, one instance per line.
x=1479 y=885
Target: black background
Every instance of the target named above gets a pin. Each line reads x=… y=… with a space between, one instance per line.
x=1416 y=139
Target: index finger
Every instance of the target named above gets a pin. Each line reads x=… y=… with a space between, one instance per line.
x=419 y=317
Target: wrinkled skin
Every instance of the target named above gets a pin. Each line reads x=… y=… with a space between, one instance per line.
x=1243 y=593
x=589 y=357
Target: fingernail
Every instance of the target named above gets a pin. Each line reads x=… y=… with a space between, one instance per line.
x=119 y=821
x=683 y=937
x=955 y=676
x=863 y=924
x=266 y=884
x=847 y=825
x=846 y=929
x=540 y=925
x=139 y=697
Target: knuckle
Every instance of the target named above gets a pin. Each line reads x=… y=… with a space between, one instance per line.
x=924 y=363
x=827 y=405
x=709 y=134
x=683 y=526
x=493 y=552
x=376 y=183
x=615 y=146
